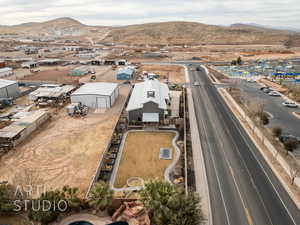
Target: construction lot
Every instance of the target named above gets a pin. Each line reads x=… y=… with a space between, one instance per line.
x=141 y=156
x=231 y=52
x=64 y=151
x=174 y=74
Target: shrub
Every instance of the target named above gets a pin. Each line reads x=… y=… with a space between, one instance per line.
x=264 y=118
x=290 y=145
x=101 y=196
x=277 y=131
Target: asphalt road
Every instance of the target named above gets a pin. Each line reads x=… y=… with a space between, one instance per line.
x=282 y=116
x=243 y=189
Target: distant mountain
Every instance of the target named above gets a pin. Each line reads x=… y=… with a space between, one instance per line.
x=191 y=32
x=255 y=25
x=158 y=33
x=60 y=27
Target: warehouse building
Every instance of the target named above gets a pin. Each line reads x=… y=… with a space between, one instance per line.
x=49 y=62
x=9 y=89
x=126 y=73
x=80 y=71
x=6 y=71
x=96 y=95
x=148 y=102
x=29 y=65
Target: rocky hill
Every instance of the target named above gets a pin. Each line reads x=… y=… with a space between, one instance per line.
x=61 y=27
x=188 y=32
x=158 y=33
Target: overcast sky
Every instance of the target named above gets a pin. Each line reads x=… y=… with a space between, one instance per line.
x=284 y=13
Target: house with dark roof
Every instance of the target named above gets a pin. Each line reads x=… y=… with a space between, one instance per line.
x=148 y=102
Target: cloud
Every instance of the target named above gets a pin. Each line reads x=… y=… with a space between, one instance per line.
x=111 y=12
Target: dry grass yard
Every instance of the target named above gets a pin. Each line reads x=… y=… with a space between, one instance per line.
x=140 y=156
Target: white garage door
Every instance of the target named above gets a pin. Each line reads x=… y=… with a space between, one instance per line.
x=101 y=102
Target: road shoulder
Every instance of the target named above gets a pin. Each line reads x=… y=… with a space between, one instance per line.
x=199 y=164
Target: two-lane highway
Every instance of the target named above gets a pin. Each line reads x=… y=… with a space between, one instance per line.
x=243 y=189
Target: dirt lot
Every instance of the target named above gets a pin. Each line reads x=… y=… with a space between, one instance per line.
x=103 y=74
x=56 y=75
x=230 y=52
x=174 y=73
x=64 y=151
x=140 y=156
x=60 y=74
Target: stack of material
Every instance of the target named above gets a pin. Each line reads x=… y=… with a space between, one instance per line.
x=24 y=124
x=132 y=212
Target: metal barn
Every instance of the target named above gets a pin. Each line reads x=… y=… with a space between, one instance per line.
x=80 y=71
x=9 y=89
x=6 y=71
x=125 y=74
x=96 y=95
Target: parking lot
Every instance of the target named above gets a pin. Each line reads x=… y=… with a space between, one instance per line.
x=281 y=116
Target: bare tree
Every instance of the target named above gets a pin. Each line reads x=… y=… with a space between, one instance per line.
x=294 y=169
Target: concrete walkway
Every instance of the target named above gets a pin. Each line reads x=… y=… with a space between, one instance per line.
x=95 y=220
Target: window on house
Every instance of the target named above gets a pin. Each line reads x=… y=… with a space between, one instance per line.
x=150 y=94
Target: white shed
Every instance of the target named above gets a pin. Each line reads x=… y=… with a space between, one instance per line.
x=6 y=71
x=9 y=89
x=96 y=95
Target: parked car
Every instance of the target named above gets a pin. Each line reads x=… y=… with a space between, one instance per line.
x=263 y=88
x=284 y=138
x=267 y=90
x=196 y=83
x=274 y=93
x=290 y=104
x=198 y=68
x=251 y=81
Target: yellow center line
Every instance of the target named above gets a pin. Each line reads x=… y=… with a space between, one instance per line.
x=249 y=217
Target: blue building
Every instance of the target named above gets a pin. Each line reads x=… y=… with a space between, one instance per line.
x=125 y=74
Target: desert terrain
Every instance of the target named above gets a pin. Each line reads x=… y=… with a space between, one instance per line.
x=64 y=151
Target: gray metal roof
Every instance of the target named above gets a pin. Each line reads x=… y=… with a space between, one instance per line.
x=5 y=69
x=5 y=83
x=139 y=95
x=96 y=88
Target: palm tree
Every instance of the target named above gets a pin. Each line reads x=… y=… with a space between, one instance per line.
x=71 y=196
x=155 y=197
x=101 y=196
x=6 y=194
x=184 y=209
x=169 y=205
x=38 y=214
